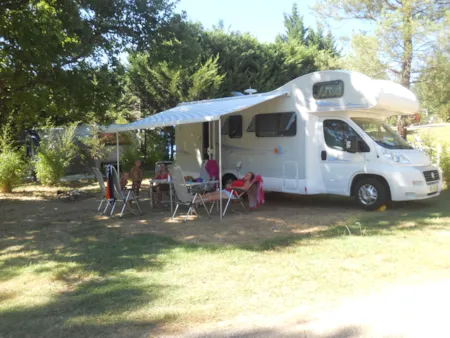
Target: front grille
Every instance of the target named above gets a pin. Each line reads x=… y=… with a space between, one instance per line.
x=431 y=175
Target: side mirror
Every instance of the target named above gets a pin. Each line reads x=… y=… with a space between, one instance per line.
x=352 y=144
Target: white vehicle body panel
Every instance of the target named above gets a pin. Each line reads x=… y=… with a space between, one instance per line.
x=294 y=164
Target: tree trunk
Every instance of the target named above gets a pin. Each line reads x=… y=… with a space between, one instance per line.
x=407 y=57
x=6 y=187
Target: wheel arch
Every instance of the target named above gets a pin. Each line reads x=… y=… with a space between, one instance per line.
x=359 y=177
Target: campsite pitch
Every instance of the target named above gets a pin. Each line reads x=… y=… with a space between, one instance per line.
x=67 y=271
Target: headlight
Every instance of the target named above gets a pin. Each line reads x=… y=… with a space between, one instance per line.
x=399 y=158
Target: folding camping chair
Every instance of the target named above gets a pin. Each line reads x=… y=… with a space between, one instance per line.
x=237 y=194
x=101 y=183
x=123 y=196
x=183 y=195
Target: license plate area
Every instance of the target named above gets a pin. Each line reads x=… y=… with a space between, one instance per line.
x=434 y=187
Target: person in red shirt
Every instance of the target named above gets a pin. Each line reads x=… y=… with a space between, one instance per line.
x=163 y=174
x=243 y=184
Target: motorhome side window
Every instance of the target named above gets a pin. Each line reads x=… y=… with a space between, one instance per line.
x=328 y=90
x=337 y=133
x=275 y=125
x=233 y=126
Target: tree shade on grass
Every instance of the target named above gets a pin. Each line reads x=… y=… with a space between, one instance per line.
x=90 y=277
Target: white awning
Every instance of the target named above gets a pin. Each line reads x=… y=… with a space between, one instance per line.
x=199 y=111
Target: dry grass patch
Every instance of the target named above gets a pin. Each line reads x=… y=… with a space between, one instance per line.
x=77 y=274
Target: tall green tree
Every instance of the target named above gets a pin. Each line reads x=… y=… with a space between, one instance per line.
x=365 y=57
x=433 y=86
x=405 y=31
x=58 y=58
x=194 y=64
x=295 y=28
x=159 y=86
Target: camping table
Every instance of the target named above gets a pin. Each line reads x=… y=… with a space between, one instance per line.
x=196 y=184
x=154 y=182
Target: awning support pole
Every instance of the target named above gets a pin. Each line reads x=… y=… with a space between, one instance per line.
x=220 y=168
x=210 y=146
x=214 y=140
x=118 y=154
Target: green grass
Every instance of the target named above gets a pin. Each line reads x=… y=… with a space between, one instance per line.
x=90 y=280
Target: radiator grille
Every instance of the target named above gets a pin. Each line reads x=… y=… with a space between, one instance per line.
x=431 y=175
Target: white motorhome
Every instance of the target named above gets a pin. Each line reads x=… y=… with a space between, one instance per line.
x=322 y=133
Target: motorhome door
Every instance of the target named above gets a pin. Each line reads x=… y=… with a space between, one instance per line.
x=337 y=164
x=205 y=140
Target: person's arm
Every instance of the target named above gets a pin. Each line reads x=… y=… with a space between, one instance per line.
x=247 y=184
x=141 y=175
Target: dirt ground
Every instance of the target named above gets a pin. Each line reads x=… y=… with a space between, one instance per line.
x=281 y=215
x=413 y=311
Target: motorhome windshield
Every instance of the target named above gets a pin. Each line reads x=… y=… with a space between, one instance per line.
x=381 y=133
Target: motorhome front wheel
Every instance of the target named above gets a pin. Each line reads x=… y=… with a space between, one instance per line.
x=371 y=194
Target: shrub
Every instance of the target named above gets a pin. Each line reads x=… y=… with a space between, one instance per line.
x=55 y=153
x=440 y=157
x=93 y=147
x=11 y=164
x=11 y=169
x=445 y=165
x=129 y=155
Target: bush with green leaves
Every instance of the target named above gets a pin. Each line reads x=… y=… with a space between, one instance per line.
x=129 y=155
x=93 y=147
x=444 y=164
x=11 y=169
x=441 y=156
x=55 y=153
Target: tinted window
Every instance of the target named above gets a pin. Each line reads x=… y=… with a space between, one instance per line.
x=337 y=133
x=276 y=125
x=328 y=90
x=235 y=126
x=232 y=126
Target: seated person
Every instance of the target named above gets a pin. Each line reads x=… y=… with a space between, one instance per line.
x=162 y=175
x=243 y=184
x=137 y=175
x=124 y=180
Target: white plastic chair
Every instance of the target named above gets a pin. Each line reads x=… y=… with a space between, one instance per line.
x=123 y=196
x=236 y=194
x=183 y=195
x=101 y=183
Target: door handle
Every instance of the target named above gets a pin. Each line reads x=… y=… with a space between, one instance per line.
x=323 y=155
